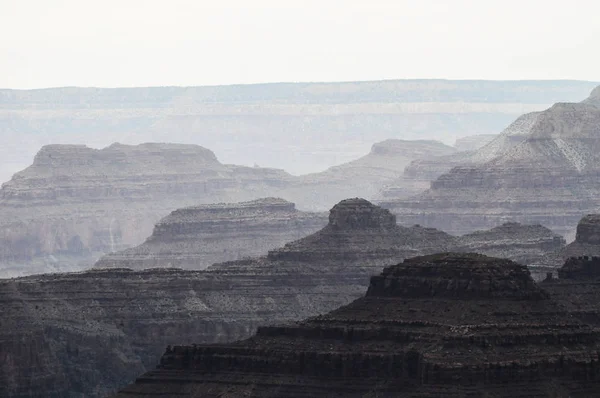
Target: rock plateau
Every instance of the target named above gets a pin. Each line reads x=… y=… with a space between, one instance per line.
x=447 y=325
x=196 y=237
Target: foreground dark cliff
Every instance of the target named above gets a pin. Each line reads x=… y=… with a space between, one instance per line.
x=451 y=325
x=549 y=177
x=196 y=237
x=86 y=334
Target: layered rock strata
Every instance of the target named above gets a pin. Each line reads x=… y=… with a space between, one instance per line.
x=85 y=334
x=76 y=203
x=531 y=245
x=196 y=237
x=548 y=178
x=446 y=325
x=419 y=174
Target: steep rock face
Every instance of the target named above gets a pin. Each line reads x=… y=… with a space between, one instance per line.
x=419 y=174
x=90 y=333
x=549 y=178
x=76 y=203
x=196 y=237
x=364 y=176
x=446 y=325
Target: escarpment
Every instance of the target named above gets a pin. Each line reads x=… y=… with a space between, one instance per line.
x=196 y=237
x=450 y=325
x=76 y=203
x=107 y=326
x=548 y=178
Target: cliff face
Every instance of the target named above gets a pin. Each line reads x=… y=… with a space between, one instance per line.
x=76 y=203
x=260 y=123
x=419 y=173
x=196 y=237
x=549 y=177
x=444 y=325
x=89 y=333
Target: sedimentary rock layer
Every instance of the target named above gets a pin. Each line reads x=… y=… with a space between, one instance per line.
x=196 y=237
x=76 y=203
x=550 y=177
x=446 y=325
x=92 y=332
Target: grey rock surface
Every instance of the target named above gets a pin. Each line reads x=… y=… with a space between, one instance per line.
x=274 y=125
x=196 y=237
x=88 y=333
x=549 y=177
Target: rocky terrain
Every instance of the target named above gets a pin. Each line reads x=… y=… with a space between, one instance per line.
x=365 y=176
x=196 y=237
x=274 y=125
x=74 y=203
x=418 y=174
x=88 y=333
x=549 y=177
x=447 y=325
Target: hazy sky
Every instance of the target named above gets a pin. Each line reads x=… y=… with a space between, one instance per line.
x=109 y=43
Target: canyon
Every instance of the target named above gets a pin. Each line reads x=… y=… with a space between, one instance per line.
x=93 y=332
x=547 y=175
x=450 y=325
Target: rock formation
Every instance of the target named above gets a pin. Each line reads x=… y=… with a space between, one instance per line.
x=196 y=237
x=548 y=178
x=274 y=125
x=419 y=174
x=450 y=325
x=89 y=333
x=364 y=176
x=76 y=203
x=529 y=245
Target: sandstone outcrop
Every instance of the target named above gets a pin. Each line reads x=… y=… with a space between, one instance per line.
x=74 y=203
x=196 y=237
x=450 y=325
x=549 y=177
x=89 y=333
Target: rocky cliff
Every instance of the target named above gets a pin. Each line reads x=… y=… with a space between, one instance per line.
x=85 y=334
x=196 y=237
x=419 y=173
x=274 y=125
x=549 y=177
x=75 y=203
x=446 y=325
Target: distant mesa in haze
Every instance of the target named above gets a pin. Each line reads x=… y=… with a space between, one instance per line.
x=299 y=127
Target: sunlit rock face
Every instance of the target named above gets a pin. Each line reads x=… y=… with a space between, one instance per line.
x=450 y=325
x=550 y=178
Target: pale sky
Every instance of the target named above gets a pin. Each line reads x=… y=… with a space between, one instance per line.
x=126 y=43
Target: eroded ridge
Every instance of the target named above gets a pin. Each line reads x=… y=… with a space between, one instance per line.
x=451 y=325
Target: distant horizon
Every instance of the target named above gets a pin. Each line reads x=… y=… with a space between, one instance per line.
x=266 y=83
